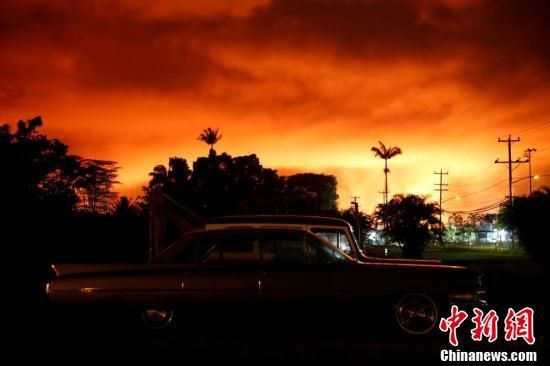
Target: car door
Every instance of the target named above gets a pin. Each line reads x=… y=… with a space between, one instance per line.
x=226 y=267
x=294 y=268
x=298 y=286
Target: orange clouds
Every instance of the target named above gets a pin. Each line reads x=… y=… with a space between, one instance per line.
x=307 y=85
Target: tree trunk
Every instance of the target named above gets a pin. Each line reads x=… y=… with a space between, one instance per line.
x=386 y=181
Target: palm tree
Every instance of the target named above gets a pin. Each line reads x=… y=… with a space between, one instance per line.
x=411 y=221
x=456 y=219
x=210 y=137
x=159 y=175
x=386 y=154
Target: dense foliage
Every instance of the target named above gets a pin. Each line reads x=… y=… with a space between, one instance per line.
x=410 y=221
x=223 y=185
x=528 y=218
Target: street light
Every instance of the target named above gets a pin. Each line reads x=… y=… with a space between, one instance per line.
x=534 y=177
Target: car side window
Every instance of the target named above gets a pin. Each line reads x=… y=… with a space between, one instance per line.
x=276 y=247
x=221 y=248
x=283 y=248
x=296 y=248
x=187 y=253
x=232 y=248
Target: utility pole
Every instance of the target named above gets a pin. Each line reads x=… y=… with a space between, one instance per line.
x=527 y=155
x=355 y=204
x=509 y=140
x=440 y=188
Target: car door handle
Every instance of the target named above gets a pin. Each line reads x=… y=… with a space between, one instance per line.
x=185 y=276
x=260 y=281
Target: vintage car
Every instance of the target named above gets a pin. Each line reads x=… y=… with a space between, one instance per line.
x=337 y=231
x=290 y=268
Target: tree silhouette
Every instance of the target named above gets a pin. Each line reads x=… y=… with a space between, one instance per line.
x=178 y=171
x=126 y=207
x=319 y=189
x=386 y=153
x=39 y=170
x=159 y=175
x=366 y=224
x=210 y=137
x=411 y=221
x=223 y=185
x=528 y=218
x=35 y=169
x=43 y=193
x=93 y=185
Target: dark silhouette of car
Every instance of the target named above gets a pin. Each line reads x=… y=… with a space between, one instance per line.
x=282 y=268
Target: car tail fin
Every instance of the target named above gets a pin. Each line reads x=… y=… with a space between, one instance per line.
x=75 y=268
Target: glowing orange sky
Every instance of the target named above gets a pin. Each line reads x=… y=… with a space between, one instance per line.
x=306 y=85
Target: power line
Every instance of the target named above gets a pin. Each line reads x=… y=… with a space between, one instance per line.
x=481 y=181
x=475 y=183
x=536 y=127
x=484 y=189
x=472 y=204
x=481 y=209
x=476 y=156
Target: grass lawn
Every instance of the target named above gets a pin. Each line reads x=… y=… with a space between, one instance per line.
x=512 y=276
x=467 y=253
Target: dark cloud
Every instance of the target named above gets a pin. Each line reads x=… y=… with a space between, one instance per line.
x=303 y=82
x=115 y=45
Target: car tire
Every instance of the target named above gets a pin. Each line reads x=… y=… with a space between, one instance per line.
x=416 y=313
x=156 y=317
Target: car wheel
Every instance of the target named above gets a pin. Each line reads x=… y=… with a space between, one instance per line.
x=157 y=318
x=416 y=314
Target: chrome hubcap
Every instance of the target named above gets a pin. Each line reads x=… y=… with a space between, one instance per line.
x=157 y=318
x=416 y=314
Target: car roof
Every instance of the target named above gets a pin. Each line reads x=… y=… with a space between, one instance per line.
x=278 y=219
x=243 y=228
